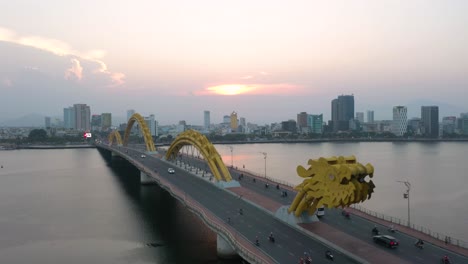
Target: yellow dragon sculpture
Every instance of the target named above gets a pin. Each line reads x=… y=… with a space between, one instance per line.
x=332 y=182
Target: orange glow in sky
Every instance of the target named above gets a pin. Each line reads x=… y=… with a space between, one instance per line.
x=230 y=89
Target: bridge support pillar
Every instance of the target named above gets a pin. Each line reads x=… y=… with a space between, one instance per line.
x=224 y=249
x=145 y=179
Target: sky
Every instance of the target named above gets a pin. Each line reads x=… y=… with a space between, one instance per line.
x=266 y=60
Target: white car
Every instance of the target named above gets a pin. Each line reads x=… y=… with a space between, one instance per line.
x=171 y=170
x=320 y=211
x=143 y=156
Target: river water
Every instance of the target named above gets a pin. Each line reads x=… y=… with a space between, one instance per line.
x=438 y=173
x=71 y=206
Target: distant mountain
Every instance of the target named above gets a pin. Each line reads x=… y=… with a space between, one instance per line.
x=31 y=120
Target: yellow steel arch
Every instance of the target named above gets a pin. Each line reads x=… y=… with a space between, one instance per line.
x=209 y=152
x=144 y=129
x=115 y=135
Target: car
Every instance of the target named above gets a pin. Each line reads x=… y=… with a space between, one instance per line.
x=386 y=240
x=320 y=211
x=171 y=170
x=143 y=156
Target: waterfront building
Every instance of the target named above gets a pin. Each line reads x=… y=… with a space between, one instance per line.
x=233 y=121
x=290 y=126
x=400 y=120
x=315 y=123
x=226 y=119
x=106 y=121
x=82 y=117
x=449 y=124
x=302 y=122
x=69 y=118
x=342 y=112
x=206 y=120
x=430 y=121
x=414 y=126
x=370 y=116
x=360 y=117
x=96 y=123
x=463 y=124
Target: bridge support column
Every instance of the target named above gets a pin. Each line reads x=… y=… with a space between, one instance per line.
x=224 y=249
x=145 y=179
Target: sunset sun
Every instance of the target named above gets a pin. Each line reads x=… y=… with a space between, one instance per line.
x=230 y=89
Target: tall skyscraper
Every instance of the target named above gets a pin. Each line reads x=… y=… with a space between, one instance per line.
x=106 y=121
x=302 y=121
x=82 y=117
x=96 y=123
x=206 y=119
x=130 y=112
x=342 y=112
x=430 y=121
x=234 y=123
x=69 y=118
x=360 y=117
x=400 y=120
x=370 y=116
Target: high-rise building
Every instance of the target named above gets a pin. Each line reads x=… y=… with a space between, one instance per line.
x=242 y=121
x=289 y=125
x=430 y=121
x=82 y=117
x=400 y=120
x=302 y=121
x=96 y=123
x=226 y=119
x=130 y=112
x=234 y=123
x=370 y=116
x=360 y=117
x=69 y=118
x=151 y=124
x=315 y=123
x=342 y=112
x=462 y=125
x=106 y=121
x=206 y=119
x=47 y=122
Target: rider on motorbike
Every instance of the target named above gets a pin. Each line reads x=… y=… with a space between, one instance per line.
x=375 y=230
x=446 y=260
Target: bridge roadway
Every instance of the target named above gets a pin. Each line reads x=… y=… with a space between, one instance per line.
x=356 y=229
x=290 y=243
x=289 y=248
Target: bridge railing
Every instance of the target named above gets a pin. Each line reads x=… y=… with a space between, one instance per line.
x=443 y=237
x=232 y=237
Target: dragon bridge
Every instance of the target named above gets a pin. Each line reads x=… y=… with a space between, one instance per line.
x=144 y=129
x=332 y=182
x=204 y=146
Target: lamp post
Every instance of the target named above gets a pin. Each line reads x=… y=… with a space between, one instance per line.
x=264 y=157
x=406 y=196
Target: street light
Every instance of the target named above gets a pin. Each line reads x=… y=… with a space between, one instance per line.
x=406 y=196
x=264 y=156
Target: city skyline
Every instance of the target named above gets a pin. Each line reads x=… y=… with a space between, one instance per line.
x=267 y=60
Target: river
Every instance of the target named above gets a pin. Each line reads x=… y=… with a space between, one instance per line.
x=71 y=206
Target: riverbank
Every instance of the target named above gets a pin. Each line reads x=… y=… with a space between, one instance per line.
x=55 y=146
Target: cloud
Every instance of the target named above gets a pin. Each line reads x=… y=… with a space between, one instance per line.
x=61 y=48
x=75 y=72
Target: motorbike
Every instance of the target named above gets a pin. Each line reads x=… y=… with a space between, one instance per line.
x=445 y=260
x=391 y=230
x=329 y=255
x=375 y=232
x=272 y=239
x=419 y=244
